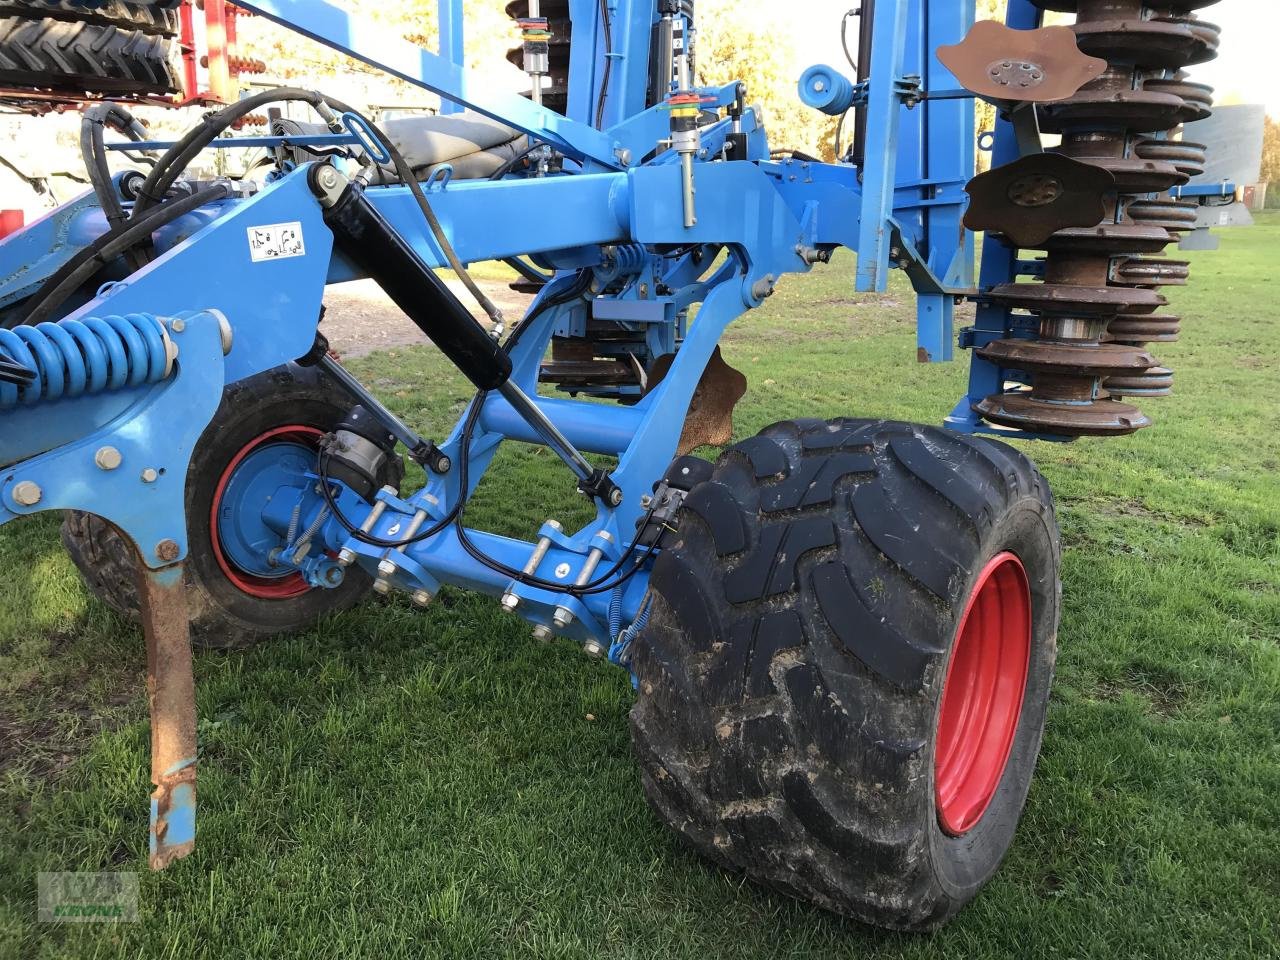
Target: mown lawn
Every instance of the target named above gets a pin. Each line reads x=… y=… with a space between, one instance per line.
x=438 y=784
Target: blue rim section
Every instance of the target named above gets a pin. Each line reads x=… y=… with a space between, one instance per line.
x=273 y=475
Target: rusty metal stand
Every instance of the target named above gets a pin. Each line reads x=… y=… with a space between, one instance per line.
x=171 y=694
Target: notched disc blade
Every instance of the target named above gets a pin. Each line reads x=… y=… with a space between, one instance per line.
x=710 y=417
x=1007 y=66
x=1033 y=198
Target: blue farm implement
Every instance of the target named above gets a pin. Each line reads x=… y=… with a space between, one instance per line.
x=842 y=632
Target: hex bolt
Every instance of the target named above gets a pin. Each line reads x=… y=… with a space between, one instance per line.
x=177 y=325
x=509 y=599
x=107 y=458
x=593 y=649
x=328 y=177
x=27 y=494
x=149 y=475
x=381 y=586
x=167 y=550
x=421 y=597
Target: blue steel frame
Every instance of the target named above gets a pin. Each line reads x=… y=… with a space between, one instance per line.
x=906 y=209
x=616 y=215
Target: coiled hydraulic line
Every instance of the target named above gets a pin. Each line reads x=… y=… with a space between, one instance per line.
x=74 y=358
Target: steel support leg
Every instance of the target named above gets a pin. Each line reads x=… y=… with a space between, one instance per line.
x=171 y=694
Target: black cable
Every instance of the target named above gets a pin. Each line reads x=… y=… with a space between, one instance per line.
x=405 y=172
x=844 y=38
x=602 y=584
x=80 y=268
x=607 y=24
x=510 y=165
x=469 y=424
x=178 y=157
x=13 y=372
x=572 y=292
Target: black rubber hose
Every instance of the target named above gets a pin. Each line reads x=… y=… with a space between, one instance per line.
x=93 y=150
x=176 y=160
x=179 y=157
x=80 y=268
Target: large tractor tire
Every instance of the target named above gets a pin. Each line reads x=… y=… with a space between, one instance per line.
x=843 y=684
x=270 y=422
x=113 y=49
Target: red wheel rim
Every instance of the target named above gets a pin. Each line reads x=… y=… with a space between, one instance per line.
x=265 y=588
x=982 y=694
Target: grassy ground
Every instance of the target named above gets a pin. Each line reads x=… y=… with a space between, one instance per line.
x=440 y=785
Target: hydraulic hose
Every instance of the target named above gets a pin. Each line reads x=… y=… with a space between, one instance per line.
x=81 y=268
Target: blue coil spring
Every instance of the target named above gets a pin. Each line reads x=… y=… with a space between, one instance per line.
x=73 y=358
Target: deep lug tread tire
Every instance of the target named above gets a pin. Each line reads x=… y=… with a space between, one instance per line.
x=75 y=57
x=148 y=18
x=222 y=616
x=791 y=673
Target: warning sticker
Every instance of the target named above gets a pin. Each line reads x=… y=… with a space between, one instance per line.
x=276 y=241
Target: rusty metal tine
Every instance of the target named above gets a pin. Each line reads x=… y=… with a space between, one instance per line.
x=172 y=698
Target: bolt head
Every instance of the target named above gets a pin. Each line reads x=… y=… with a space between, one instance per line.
x=177 y=325
x=107 y=458
x=443 y=464
x=387 y=568
x=562 y=617
x=382 y=587
x=421 y=598
x=615 y=497
x=346 y=557
x=27 y=494
x=509 y=602
x=542 y=632
x=167 y=550
x=149 y=475
x=592 y=649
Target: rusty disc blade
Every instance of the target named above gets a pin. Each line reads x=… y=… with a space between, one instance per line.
x=1007 y=66
x=1033 y=198
x=1083 y=359
x=1097 y=418
x=710 y=417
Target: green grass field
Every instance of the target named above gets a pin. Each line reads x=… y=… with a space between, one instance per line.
x=439 y=784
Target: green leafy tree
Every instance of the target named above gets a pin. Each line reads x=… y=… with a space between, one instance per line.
x=746 y=40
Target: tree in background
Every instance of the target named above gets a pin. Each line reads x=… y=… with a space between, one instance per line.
x=747 y=40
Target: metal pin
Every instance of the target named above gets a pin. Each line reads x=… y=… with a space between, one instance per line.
x=509 y=599
x=563 y=616
x=347 y=556
x=387 y=567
